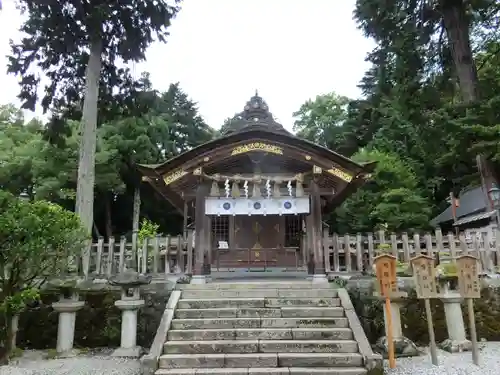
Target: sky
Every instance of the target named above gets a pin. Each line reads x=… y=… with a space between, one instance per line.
x=222 y=51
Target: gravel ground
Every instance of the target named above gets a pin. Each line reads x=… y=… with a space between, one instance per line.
x=33 y=363
x=98 y=363
x=452 y=364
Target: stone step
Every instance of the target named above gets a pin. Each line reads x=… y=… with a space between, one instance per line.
x=294 y=360
x=252 y=312
x=259 y=323
x=255 y=285
x=260 y=360
x=260 y=346
x=265 y=370
x=259 y=293
x=255 y=302
x=262 y=334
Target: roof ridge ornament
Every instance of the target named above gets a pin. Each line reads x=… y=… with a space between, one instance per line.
x=255 y=113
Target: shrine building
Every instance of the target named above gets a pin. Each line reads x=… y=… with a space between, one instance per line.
x=256 y=195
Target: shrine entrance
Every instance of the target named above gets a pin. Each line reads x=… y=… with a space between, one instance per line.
x=255 y=196
x=260 y=242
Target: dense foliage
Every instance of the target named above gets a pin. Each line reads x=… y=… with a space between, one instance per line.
x=79 y=45
x=430 y=105
x=36 y=240
x=32 y=165
x=430 y=100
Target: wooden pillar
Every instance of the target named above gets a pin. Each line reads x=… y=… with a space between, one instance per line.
x=309 y=256
x=185 y=220
x=208 y=246
x=200 y=236
x=317 y=232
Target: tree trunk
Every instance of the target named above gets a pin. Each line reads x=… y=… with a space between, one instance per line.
x=9 y=339
x=457 y=28
x=88 y=129
x=136 y=212
x=109 y=218
x=14 y=327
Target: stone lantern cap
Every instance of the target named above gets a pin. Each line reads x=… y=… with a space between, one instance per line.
x=65 y=282
x=129 y=279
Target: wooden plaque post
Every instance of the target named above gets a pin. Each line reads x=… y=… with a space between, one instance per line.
x=385 y=266
x=426 y=287
x=468 y=285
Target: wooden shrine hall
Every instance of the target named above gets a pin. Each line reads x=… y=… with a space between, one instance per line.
x=256 y=195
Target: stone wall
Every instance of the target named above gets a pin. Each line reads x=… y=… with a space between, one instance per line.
x=98 y=324
x=413 y=317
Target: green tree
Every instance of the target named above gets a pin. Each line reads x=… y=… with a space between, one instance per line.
x=78 y=45
x=171 y=126
x=29 y=164
x=322 y=120
x=36 y=241
x=391 y=199
x=335 y=122
x=425 y=78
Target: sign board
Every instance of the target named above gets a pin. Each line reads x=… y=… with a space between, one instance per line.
x=468 y=278
x=425 y=276
x=385 y=266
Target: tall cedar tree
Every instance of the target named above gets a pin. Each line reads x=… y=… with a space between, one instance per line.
x=446 y=32
x=78 y=45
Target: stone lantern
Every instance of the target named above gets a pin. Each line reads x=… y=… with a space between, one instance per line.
x=452 y=300
x=130 y=303
x=67 y=306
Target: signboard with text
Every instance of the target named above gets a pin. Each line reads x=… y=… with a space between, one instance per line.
x=385 y=266
x=425 y=276
x=468 y=277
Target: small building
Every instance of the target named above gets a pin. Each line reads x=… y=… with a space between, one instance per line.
x=257 y=194
x=473 y=213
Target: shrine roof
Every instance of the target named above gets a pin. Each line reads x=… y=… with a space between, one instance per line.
x=255 y=129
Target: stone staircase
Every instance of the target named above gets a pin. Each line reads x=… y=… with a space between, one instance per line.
x=241 y=328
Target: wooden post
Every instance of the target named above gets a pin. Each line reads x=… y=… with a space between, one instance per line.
x=385 y=266
x=371 y=251
x=359 y=252
x=199 y=229
x=326 y=250
x=309 y=246
x=185 y=220
x=316 y=232
x=468 y=285
x=189 y=267
x=208 y=246
x=426 y=288
x=347 y=253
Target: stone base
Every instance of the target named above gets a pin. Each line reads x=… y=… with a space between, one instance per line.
x=456 y=346
x=198 y=279
x=403 y=347
x=127 y=352
x=319 y=279
x=309 y=277
x=68 y=353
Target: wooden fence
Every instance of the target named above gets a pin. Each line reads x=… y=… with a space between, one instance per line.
x=364 y=247
x=175 y=255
